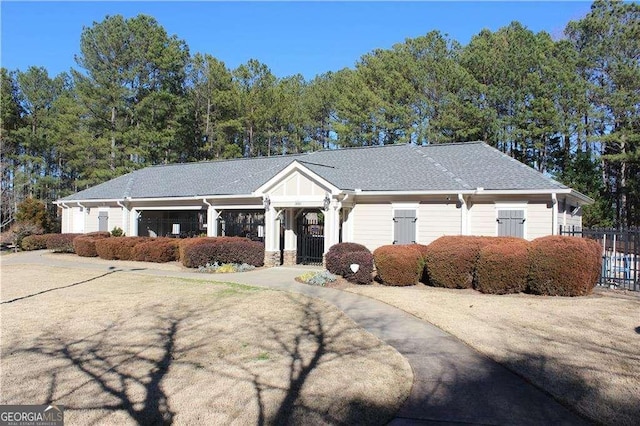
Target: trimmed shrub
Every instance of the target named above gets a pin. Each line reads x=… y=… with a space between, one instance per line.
x=34 y=242
x=362 y=258
x=61 y=243
x=98 y=234
x=333 y=261
x=451 y=260
x=503 y=268
x=563 y=266
x=85 y=245
x=399 y=265
x=223 y=250
x=187 y=242
x=118 y=248
x=159 y=250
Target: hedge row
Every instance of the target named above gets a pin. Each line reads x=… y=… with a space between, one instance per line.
x=118 y=248
x=221 y=250
x=34 y=242
x=61 y=243
x=159 y=250
x=451 y=260
x=562 y=266
x=85 y=245
x=503 y=268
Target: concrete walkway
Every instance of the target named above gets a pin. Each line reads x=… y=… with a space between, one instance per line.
x=453 y=384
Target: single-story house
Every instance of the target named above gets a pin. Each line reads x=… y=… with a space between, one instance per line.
x=302 y=204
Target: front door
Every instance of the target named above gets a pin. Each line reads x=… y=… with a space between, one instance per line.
x=310 y=231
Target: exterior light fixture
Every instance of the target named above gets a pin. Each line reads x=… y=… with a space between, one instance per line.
x=266 y=202
x=326 y=202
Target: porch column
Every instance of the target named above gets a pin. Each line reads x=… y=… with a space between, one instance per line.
x=290 y=254
x=464 y=215
x=271 y=236
x=331 y=226
x=212 y=221
x=133 y=223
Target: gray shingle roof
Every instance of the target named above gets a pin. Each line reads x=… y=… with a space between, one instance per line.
x=448 y=167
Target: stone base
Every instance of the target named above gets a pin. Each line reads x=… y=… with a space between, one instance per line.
x=289 y=257
x=271 y=258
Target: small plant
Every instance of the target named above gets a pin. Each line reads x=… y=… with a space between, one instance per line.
x=117 y=232
x=317 y=278
x=225 y=268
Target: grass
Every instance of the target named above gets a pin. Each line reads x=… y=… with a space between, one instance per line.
x=122 y=348
x=583 y=350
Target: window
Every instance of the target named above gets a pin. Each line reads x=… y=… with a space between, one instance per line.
x=511 y=223
x=404 y=226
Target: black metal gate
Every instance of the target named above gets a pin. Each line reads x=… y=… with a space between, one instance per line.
x=310 y=238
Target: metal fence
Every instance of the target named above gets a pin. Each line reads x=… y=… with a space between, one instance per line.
x=242 y=223
x=179 y=227
x=620 y=255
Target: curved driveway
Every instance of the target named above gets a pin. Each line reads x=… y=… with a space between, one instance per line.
x=453 y=383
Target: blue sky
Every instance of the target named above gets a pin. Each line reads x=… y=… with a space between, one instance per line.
x=290 y=37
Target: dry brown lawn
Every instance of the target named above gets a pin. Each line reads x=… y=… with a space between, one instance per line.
x=583 y=350
x=122 y=348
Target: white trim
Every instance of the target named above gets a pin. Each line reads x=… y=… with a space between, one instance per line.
x=334 y=191
x=576 y=194
x=198 y=207
x=415 y=206
x=294 y=166
x=260 y=206
x=554 y=214
x=521 y=205
x=164 y=199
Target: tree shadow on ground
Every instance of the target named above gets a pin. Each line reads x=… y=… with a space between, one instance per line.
x=130 y=375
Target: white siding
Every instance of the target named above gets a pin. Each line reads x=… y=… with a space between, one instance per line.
x=115 y=218
x=539 y=220
x=538 y=214
x=372 y=225
x=482 y=219
x=297 y=184
x=436 y=220
x=78 y=220
x=91 y=220
x=566 y=219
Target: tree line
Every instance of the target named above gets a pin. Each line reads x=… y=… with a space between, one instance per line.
x=569 y=108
